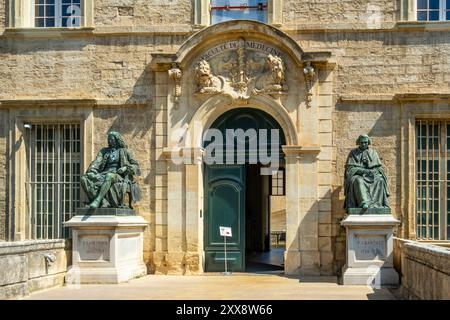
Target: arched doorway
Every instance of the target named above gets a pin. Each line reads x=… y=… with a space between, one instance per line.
x=244 y=190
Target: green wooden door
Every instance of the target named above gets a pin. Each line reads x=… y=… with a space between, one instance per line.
x=224 y=206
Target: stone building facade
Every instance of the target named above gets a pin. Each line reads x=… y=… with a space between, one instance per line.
x=130 y=66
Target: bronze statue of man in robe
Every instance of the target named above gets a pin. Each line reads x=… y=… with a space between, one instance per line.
x=365 y=183
x=110 y=176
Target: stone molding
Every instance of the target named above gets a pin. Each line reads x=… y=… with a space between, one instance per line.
x=20 y=247
x=55 y=102
x=299 y=151
x=396 y=97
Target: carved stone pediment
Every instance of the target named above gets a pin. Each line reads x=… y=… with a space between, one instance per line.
x=241 y=69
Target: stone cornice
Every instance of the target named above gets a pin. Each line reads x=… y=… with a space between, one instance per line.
x=47 y=102
x=162 y=61
x=62 y=102
x=396 y=97
x=297 y=151
x=47 y=33
x=422 y=97
x=188 y=29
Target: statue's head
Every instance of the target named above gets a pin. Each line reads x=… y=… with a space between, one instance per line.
x=115 y=140
x=275 y=65
x=363 y=141
x=203 y=72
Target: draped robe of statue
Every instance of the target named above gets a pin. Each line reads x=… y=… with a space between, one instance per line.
x=362 y=188
x=107 y=161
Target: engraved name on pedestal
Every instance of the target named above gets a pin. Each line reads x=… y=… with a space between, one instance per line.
x=369 y=247
x=94 y=248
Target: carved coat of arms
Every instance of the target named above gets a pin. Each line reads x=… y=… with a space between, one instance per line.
x=240 y=70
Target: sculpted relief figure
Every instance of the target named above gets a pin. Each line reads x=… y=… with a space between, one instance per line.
x=241 y=73
x=110 y=176
x=207 y=83
x=273 y=80
x=365 y=181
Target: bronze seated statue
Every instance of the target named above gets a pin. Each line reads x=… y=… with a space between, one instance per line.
x=109 y=178
x=365 y=181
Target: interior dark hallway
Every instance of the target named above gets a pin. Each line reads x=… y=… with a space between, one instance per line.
x=261 y=255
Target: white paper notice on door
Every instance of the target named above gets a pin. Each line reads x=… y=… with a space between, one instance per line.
x=225 y=231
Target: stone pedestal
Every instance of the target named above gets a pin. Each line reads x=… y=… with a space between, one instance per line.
x=107 y=246
x=370 y=250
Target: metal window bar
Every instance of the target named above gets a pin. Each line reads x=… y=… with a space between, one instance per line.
x=432 y=179
x=53 y=190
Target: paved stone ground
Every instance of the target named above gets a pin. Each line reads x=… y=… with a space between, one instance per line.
x=216 y=286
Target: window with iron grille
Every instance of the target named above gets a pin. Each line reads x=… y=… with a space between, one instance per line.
x=224 y=10
x=277 y=183
x=433 y=10
x=433 y=180
x=53 y=183
x=58 y=13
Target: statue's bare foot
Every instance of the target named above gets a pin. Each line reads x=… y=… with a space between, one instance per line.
x=365 y=206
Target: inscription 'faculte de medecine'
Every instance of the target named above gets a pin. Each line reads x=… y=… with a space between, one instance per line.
x=233 y=45
x=241 y=69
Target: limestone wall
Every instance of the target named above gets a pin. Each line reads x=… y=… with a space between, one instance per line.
x=142 y=12
x=115 y=67
x=380 y=63
x=101 y=68
x=424 y=269
x=24 y=269
x=339 y=11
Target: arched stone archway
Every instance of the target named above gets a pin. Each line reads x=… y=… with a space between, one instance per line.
x=245 y=64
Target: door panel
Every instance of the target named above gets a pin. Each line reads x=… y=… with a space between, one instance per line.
x=224 y=206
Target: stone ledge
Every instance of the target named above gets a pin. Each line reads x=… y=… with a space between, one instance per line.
x=56 y=32
x=370 y=220
x=106 y=221
x=18 y=247
x=436 y=257
x=430 y=96
x=423 y=25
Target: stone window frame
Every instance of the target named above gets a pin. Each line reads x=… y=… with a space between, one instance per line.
x=18 y=220
x=202 y=14
x=21 y=15
x=434 y=182
x=408 y=10
x=413 y=110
